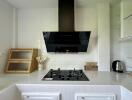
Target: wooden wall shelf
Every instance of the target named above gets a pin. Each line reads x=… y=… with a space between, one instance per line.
x=22 y=60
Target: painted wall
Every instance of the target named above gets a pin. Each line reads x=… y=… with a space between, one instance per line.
x=6 y=31
x=115 y=32
x=32 y=22
x=104 y=36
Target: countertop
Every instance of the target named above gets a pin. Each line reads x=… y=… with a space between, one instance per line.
x=96 y=78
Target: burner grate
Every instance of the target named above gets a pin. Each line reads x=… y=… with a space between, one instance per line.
x=66 y=75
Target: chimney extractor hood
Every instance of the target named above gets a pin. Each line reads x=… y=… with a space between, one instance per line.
x=66 y=40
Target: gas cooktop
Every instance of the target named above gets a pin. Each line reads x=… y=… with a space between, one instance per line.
x=66 y=75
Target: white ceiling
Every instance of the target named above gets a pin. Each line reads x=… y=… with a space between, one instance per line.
x=48 y=3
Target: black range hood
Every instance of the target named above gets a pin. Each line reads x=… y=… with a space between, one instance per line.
x=67 y=39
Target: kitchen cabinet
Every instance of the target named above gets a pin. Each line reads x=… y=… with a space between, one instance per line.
x=65 y=92
x=95 y=96
x=126 y=20
x=21 y=60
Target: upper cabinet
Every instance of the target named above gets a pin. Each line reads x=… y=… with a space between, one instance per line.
x=126 y=7
x=126 y=20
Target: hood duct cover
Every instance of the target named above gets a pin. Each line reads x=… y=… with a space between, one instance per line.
x=66 y=15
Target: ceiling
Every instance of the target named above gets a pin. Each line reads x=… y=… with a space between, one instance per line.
x=48 y=3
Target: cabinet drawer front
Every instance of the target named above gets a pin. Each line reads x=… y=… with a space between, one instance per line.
x=41 y=96
x=96 y=96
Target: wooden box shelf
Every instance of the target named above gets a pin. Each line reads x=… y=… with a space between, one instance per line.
x=22 y=60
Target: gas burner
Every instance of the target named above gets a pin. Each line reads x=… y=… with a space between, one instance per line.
x=68 y=75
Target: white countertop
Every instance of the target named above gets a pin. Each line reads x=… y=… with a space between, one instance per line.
x=96 y=78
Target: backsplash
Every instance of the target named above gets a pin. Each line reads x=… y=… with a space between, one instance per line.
x=68 y=61
x=129 y=63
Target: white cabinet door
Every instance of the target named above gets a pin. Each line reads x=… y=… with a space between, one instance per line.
x=95 y=97
x=126 y=8
x=41 y=96
x=126 y=19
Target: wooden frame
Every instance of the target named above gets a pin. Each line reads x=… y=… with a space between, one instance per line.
x=23 y=59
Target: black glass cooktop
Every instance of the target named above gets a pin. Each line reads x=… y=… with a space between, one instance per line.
x=66 y=75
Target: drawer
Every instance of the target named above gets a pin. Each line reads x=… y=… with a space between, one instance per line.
x=41 y=96
x=97 y=96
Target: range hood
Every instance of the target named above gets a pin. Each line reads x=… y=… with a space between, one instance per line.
x=67 y=39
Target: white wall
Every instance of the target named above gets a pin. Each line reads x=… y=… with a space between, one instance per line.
x=6 y=31
x=115 y=32
x=104 y=36
x=32 y=22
